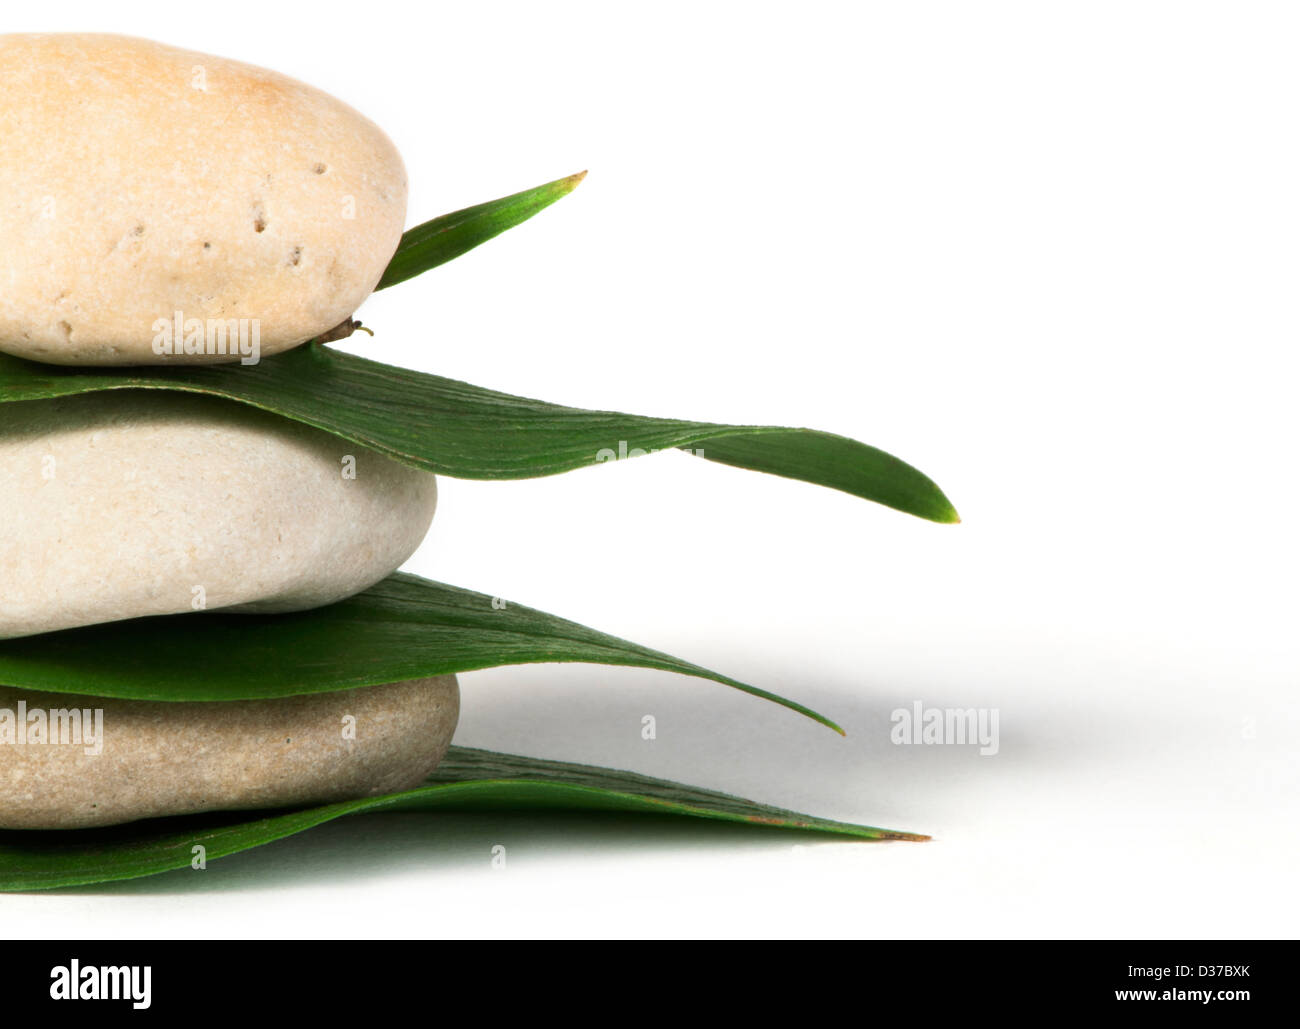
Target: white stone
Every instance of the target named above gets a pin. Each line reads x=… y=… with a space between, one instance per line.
x=128 y=503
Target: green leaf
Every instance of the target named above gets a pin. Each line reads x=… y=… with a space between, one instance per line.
x=468 y=780
x=403 y=628
x=439 y=241
x=468 y=432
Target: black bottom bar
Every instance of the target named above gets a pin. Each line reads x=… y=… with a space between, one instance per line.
x=331 y=979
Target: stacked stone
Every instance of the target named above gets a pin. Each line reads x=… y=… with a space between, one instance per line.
x=167 y=207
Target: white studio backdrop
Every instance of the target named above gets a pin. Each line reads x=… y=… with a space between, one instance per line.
x=1047 y=252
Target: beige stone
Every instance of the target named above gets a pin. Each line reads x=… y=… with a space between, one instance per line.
x=140 y=180
x=157 y=759
x=128 y=503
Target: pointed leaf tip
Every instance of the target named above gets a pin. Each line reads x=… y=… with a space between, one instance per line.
x=448 y=237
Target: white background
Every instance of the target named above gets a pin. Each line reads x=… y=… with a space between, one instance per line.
x=1046 y=252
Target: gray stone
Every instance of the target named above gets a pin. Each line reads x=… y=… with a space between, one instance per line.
x=153 y=759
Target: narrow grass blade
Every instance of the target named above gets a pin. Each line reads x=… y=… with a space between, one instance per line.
x=402 y=628
x=442 y=239
x=468 y=432
x=468 y=781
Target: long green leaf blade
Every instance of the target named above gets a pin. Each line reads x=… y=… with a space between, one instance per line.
x=468 y=780
x=403 y=628
x=442 y=239
x=468 y=432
